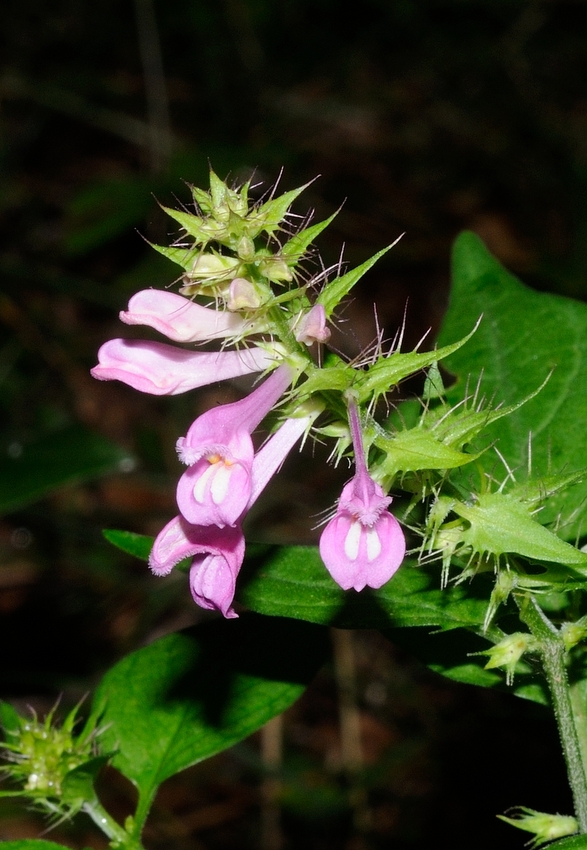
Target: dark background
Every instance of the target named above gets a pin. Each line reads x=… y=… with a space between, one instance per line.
x=422 y=117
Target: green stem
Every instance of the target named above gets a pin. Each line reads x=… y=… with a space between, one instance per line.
x=580 y=714
x=118 y=836
x=552 y=650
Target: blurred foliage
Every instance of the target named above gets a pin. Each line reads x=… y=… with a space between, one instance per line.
x=427 y=116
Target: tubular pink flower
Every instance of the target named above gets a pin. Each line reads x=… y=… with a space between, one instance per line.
x=363 y=544
x=219 y=554
x=220 y=551
x=161 y=369
x=216 y=488
x=178 y=318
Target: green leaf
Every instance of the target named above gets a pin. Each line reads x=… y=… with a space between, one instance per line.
x=498 y=523
x=292 y=581
x=139 y=545
x=195 y=693
x=270 y=215
x=293 y=250
x=523 y=336
x=9 y=720
x=29 y=470
x=192 y=224
x=335 y=290
x=574 y=842
x=387 y=372
x=415 y=449
x=183 y=257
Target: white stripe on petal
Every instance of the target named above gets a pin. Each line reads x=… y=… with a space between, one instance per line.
x=373 y=544
x=201 y=485
x=352 y=541
x=220 y=483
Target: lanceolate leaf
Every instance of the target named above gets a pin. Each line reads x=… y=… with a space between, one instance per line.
x=194 y=693
x=337 y=289
x=574 y=842
x=293 y=250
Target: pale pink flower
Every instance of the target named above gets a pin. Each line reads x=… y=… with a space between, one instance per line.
x=217 y=557
x=363 y=544
x=242 y=295
x=180 y=319
x=312 y=326
x=161 y=369
x=216 y=488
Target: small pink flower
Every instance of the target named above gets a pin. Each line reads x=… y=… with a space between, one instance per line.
x=179 y=318
x=312 y=327
x=363 y=544
x=218 y=555
x=161 y=369
x=216 y=488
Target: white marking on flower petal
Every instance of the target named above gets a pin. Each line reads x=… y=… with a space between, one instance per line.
x=352 y=541
x=373 y=544
x=220 y=482
x=202 y=482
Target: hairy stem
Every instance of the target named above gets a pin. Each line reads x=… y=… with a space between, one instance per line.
x=552 y=651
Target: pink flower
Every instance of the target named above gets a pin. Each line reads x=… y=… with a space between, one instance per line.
x=216 y=489
x=179 y=318
x=312 y=327
x=219 y=552
x=161 y=369
x=363 y=544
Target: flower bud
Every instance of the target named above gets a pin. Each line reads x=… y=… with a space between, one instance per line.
x=275 y=269
x=544 y=826
x=207 y=267
x=246 y=249
x=312 y=327
x=242 y=295
x=508 y=652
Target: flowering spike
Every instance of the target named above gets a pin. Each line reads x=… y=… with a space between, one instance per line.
x=160 y=369
x=363 y=544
